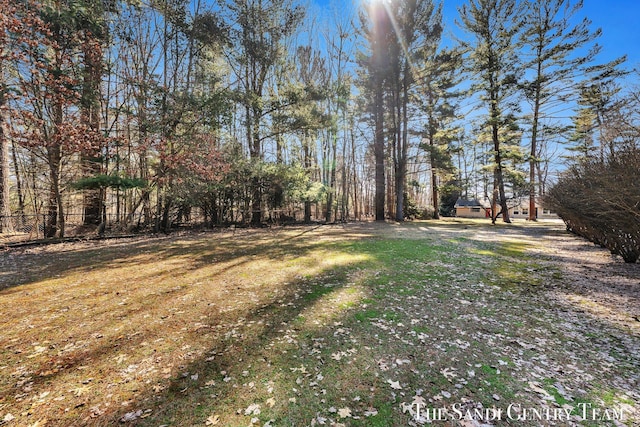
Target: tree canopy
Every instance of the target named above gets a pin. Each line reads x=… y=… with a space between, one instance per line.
x=155 y=114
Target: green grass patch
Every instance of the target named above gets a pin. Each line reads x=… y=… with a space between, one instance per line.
x=384 y=418
x=549 y=386
x=364 y=316
x=317 y=292
x=391 y=316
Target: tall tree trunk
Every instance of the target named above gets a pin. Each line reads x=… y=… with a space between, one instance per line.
x=354 y=172
x=390 y=187
x=499 y=195
x=333 y=140
x=90 y=111
x=279 y=147
x=256 y=154
x=400 y=190
x=165 y=224
x=398 y=183
x=532 y=167
x=55 y=224
x=435 y=193
x=55 y=209
x=344 y=213
x=307 y=165
x=19 y=178
x=378 y=151
x=533 y=159
x=401 y=173
x=5 y=211
x=145 y=197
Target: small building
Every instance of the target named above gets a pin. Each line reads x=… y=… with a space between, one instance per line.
x=473 y=208
x=521 y=210
x=465 y=208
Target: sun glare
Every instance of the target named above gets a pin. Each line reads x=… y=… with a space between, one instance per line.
x=387 y=7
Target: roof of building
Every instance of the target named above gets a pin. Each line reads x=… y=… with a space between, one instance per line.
x=466 y=203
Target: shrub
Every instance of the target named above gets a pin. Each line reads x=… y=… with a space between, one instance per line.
x=600 y=200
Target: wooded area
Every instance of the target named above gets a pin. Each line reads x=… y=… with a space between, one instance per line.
x=147 y=115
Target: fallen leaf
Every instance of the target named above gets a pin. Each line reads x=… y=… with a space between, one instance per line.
x=419 y=400
x=371 y=412
x=395 y=385
x=344 y=412
x=212 y=420
x=448 y=373
x=131 y=416
x=253 y=409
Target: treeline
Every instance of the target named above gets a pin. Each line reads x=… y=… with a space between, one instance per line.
x=144 y=114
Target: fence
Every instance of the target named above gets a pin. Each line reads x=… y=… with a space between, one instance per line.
x=29 y=227
x=25 y=227
x=16 y=228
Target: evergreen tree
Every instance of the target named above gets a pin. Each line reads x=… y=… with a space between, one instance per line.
x=399 y=34
x=438 y=78
x=551 y=40
x=417 y=29
x=375 y=24
x=494 y=67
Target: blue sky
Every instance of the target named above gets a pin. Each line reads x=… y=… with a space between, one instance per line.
x=620 y=27
x=619 y=20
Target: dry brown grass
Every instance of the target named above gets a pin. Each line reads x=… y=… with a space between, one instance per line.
x=91 y=331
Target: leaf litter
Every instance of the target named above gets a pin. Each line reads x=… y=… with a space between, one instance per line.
x=431 y=328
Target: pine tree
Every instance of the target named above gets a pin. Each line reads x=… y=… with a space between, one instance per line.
x=375 y=24
x=438 y=78
x=551 y=40
x=417 y=30
x=494 y=66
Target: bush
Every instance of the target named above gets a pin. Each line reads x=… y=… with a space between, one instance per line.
x=410 y=209
x=600 y=200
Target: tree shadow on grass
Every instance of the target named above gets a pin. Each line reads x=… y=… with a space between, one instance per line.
x=20 y=266
x=227 y=317
x=237 y=343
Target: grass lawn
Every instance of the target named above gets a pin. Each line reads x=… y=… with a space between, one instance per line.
x=354 y=325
